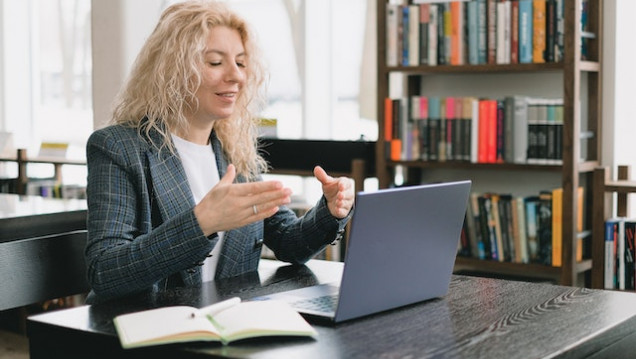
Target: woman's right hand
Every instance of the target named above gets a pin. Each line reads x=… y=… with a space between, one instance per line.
x=231 y=205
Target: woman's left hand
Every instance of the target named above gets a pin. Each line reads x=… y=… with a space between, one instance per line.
x=339 y=192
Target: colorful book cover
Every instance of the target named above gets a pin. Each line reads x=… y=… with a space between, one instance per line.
x=525 y=31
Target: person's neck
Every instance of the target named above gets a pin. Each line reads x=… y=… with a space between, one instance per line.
x=197 y=135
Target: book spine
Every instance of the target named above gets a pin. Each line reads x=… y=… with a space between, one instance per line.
x=491 y=13
x=392 y=37
x=482 y=28
x=538 y=28
x=557 y=228
x=514 y=32
x=414 y=35
x=611 y=229
x=525 y=31
x=424 y=24
x=432 y=35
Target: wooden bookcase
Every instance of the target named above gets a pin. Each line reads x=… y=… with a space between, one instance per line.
x=580 y=87
x=604 y=187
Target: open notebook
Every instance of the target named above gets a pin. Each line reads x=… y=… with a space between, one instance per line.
x=401 y=250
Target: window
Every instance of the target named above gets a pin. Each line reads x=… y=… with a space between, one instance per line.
x=46 y=87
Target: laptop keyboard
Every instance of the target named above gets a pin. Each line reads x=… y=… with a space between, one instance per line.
x=325 y=304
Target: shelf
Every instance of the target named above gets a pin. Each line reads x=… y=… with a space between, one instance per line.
x=583 y=167
x=588 y=66
x=486 y=68
x=517 y=269
x=470 y=165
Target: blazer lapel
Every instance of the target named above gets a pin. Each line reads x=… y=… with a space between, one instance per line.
x=170 y=184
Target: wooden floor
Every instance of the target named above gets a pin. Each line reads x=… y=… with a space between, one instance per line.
x=13 y=346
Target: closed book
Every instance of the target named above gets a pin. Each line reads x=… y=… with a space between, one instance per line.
x=414 y=35
x=520 y=133
x=424 y=21
x=434 y=114
x=514 y=31
x=479 y=246
x=451 y=128
x=491 y=16
x=404 y=35
x=611 y=234
x=501 y=130
x=456 y=33
x=482 y=26
x=432 y=34
x=630 y=229
x=392 y=37
x=487 y=223
x=522 y=246
x=473 y=107
x=509 y=129
x=423 y=128
x=472 y=8
x=538 y=31
x=544 y=227
x=550 y=30
x=531 y=204
x=557 y=227
x=503 y=252
x=525 y=31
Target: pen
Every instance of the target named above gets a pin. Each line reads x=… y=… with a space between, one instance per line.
x=216 y=308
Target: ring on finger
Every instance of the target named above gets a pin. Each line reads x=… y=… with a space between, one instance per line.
x=254 y=209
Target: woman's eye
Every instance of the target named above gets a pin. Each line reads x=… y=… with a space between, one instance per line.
x=215 y=63
x=240 y=64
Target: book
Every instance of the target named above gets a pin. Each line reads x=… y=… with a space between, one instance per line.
x=557 y=227
x=525 y=31
x=224 y=322
x=611 y=229
x=538 y=31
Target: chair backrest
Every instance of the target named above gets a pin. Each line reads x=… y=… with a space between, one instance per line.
x=42 y=268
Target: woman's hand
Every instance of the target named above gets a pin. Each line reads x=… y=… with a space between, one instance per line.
x=339 y=192
x=232 y=205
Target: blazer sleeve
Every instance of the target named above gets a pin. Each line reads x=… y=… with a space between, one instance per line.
x=296 y=240
x=124 y=253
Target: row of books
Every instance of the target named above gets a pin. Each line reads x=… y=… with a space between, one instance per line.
x=475 y=32
x=51 y=188
x=619 y=253
x=515 y=129
x=507 y=228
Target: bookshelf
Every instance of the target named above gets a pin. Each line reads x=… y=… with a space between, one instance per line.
x=604 y=188
x=20 y=183
x=580 y=86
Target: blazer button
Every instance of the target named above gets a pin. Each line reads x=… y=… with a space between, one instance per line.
x=258 y=243
x=191 y=270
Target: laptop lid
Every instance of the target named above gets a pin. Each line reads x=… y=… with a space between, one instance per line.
x=401 y=250
x=402 y=247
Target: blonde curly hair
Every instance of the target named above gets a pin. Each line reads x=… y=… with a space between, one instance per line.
x=167 y=74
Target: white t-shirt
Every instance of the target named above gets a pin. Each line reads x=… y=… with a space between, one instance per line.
x=200 y=167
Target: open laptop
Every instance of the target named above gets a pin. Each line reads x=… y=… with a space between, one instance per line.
x=401 y=250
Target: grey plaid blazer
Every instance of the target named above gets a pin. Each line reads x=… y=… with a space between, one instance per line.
x=142 y=232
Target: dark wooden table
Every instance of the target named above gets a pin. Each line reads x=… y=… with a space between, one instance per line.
x=42 y=244
x=479 y=318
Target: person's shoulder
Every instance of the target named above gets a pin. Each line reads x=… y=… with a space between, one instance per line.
x=115 y=134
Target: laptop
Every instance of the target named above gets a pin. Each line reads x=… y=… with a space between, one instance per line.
x=401 y=250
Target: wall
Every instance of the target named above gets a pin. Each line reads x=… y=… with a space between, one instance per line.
x=119 y=29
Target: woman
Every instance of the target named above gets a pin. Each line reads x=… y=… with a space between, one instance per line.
x=174 y=190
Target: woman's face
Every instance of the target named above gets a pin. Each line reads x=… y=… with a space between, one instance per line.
x=223 y=76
